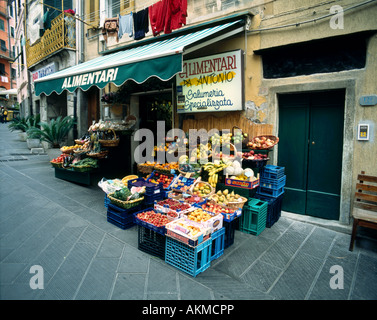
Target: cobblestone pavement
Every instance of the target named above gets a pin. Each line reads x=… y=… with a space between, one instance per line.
x=62 y=227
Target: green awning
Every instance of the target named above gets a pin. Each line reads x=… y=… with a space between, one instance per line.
x=162 y=59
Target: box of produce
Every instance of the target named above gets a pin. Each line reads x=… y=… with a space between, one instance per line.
x=187 y=232
x=205 y=219
x=228 y=213
x=86 y=164
x=150 y=187
x=158 y=177
x=194 y=199
x=230 y=199
x=151 y=219
x=182 y=184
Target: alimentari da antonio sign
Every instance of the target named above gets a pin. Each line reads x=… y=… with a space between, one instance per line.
x=211 y=83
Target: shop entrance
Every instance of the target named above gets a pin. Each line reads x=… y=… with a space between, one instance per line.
x=153 y=108
x=310 y=149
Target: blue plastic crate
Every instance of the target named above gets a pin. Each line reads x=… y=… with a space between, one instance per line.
x=106 y=201
x=274 y=208
x=273 y=183
x=270 y=192
x=218 y=238
x=150 y=199
x=122 y=212
x=124 y=222
x=150 y=188
x=191 y=260
x=272 y=172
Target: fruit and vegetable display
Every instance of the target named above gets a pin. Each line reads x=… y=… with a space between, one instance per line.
x=251 y=155
x=213 y=169
x=262 y=142
x=68 y=149
x=60 y=159
x=155 y=218
x=182 y=183
x=201 y=189
x=216 y=208
x=224 y=197
x=199 y=215
x=86 y=162
x=166 y=166
x=165 y=179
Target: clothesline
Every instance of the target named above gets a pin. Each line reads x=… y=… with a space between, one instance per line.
x=162 y=16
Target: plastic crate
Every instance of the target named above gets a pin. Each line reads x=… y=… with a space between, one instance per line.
x=218 y=238
x=150 y=187
x=254 y=215
x=122 y=212
x=270 y=192
x=151 y=242
x=115 y=218
x=230 y=228
x=273 y=183
x=150 y=199
x=191 y=260
x=106 y=201
x=272 y=172
x=274 y=208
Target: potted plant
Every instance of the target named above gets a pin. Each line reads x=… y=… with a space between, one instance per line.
x=33 y=138
x=54 y=132
x=19 y=123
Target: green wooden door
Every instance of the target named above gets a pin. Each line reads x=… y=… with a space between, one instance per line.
x=310 y=149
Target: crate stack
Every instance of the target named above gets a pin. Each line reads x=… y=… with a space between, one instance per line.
x=195 y=255
x=271 y=190
x=151 y=239
x=121 y=217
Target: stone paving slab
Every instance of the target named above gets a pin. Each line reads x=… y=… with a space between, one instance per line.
x=62 y=227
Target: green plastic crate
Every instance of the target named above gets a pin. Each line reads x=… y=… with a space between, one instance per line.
x=254 y=216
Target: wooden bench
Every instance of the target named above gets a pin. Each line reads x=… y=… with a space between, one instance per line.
x=365 y=205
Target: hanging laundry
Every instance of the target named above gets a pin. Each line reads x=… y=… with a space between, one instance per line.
x=179 y=14
x=157 y=14
x=167 y=15
x=126 y=25
x=141 y=23
x=110 y=28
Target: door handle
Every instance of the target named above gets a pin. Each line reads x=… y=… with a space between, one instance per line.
x=313 y=142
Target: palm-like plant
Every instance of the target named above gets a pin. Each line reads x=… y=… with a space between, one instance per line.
x=55 y=131
x=24 y=124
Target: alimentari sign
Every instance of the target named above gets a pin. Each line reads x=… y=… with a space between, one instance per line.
x=212 y=83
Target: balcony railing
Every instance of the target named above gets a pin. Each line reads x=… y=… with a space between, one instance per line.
x=61 y=35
